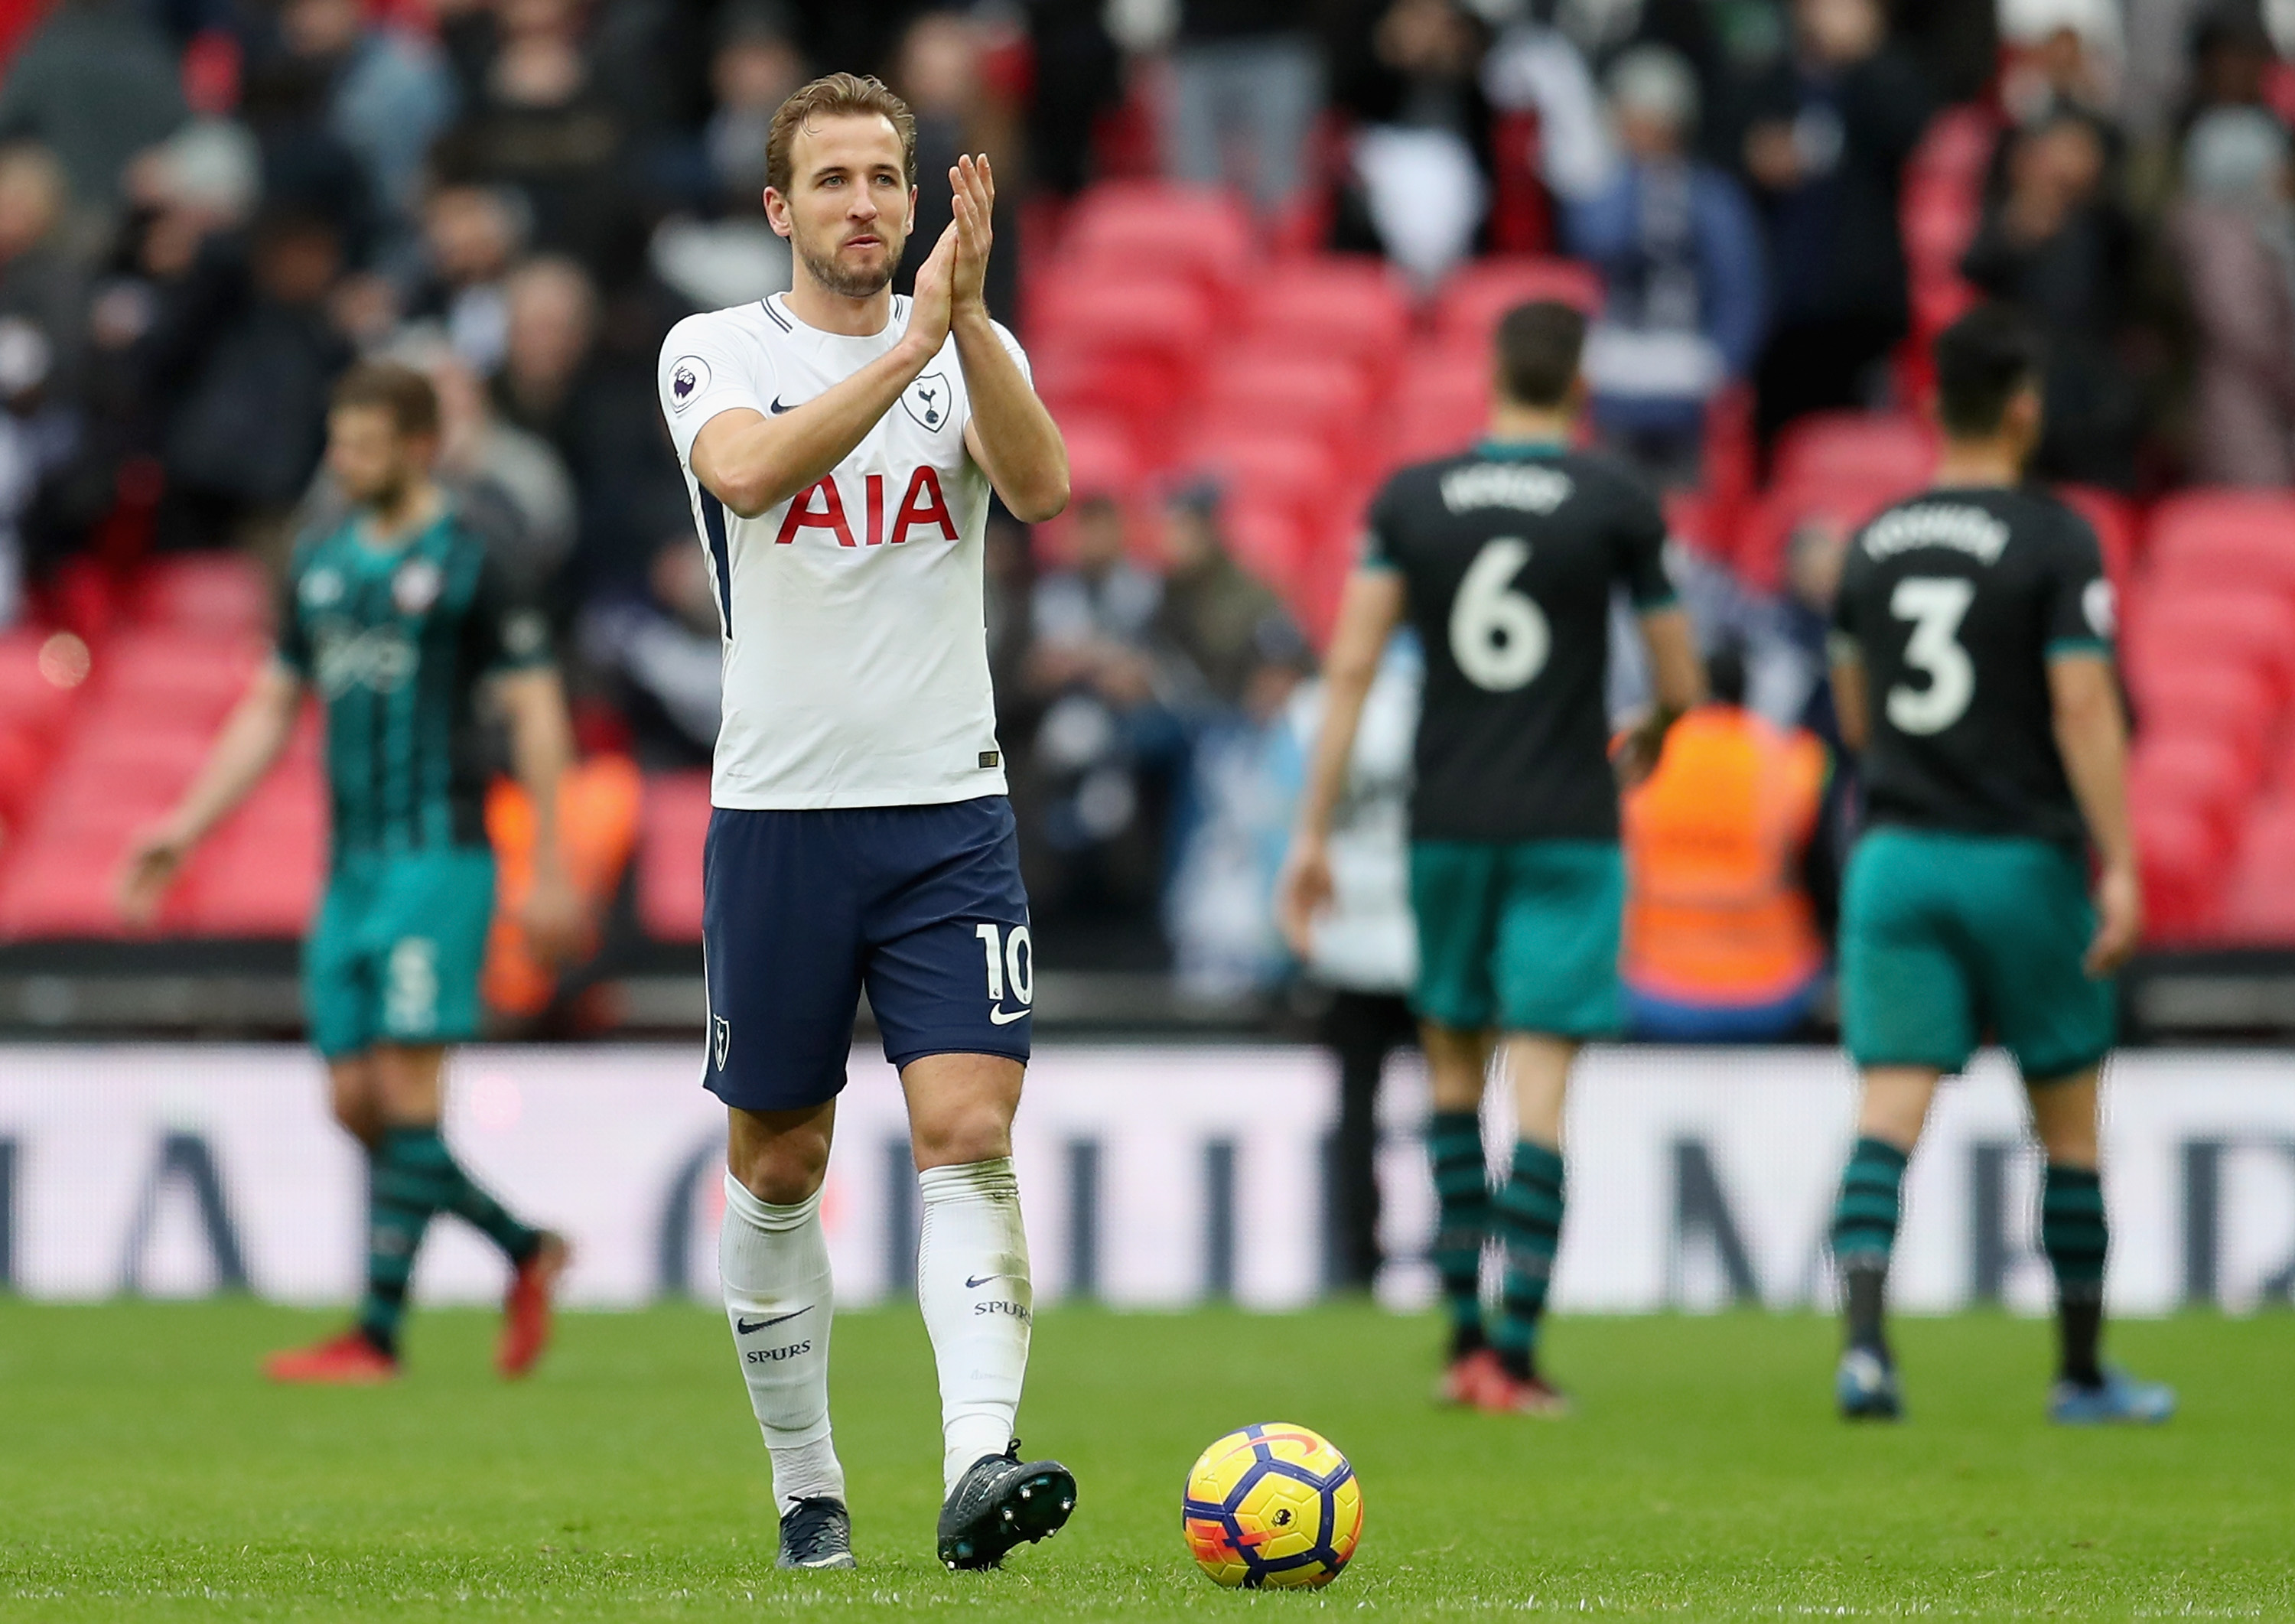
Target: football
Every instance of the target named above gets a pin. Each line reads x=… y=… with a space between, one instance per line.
x=1274 y=1506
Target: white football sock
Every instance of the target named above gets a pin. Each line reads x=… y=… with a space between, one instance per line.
x=972 y=1281
x=774 y=1262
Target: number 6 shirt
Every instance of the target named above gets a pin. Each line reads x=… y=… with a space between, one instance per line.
x=1955 y=602
x=1507 y=556
x=856 y=635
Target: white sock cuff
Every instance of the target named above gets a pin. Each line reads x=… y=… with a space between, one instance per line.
x=965 y=1180
x=764 y=1214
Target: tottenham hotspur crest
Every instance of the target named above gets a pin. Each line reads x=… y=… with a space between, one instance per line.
x=927 y=400
x=721 y=1037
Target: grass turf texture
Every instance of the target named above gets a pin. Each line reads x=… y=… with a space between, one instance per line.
x=145 y=1472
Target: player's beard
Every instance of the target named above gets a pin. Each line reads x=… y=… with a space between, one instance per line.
x=833 y=276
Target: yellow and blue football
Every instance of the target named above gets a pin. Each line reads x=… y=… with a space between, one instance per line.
x=1273 y=1505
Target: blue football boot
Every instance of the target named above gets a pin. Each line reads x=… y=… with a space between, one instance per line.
x=2122 y=1401
x=1866 y=1387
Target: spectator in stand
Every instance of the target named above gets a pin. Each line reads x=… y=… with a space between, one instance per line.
x=1419 y=188
x=729 y=254
x=2061 y=59
x=662 y=653
x=1721 y=942
x=596 y=408
x=471 y=237
x=45 y=506
x=2234 y=232
x=1680 y=256
x=1364 y=947
x=96 y=84
x=1832 y=126
x=1246 y=86
x=2232 y=58
x=1103 y=752
x=1218 y=625
x=306 y=168
x=387 y=92
x=2058 y=245
x=39 y=281
x=1079 y=77
x=241 y=357
x=542 y=123
x=938 y=73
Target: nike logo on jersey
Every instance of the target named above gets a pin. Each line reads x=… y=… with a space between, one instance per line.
x=1005 y=1017
x=778 y=408
x=743 y=1327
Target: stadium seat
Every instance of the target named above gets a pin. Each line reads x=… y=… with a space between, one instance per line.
x=2204 y=776
x=61 y=885
x=2214 y=538
x=1467 y=308
x=2230 y=703
x=1898 y=450
x=1101 y=458
x=212 y=594
x=2180 y=854
x=1767 y=534
x=190 y=677
x=1200 y=232
x=1290 y=472
x=1442 y=404
x=2112 y=518
x=1351 y=308
x=261 y=874
x=2199 y=627
x=1269 y=541
x=1325 y=398
x=673 y=828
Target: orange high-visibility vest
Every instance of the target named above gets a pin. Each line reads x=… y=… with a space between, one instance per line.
x=1715 y=913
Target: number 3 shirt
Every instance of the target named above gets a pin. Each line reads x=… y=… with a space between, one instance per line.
x=1507 y=556
x=1955 y=602
x=855 y=638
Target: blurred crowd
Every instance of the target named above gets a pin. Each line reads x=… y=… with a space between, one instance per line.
x=208 y=208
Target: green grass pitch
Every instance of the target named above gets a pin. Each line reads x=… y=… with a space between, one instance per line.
x=145 y=1472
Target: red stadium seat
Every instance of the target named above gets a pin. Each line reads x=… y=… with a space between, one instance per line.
x=1355 y=309
x=2210 y=539
x=674 y=826
x=1101 y=459
x=61 y=885
x=1200 y=232
x=2213 y=627
x=1443 y=404
x=1467 y=309
x=213 y=594
x=1289 y=472
x=2112 y=518
x=2259 y=902
x=1767 y=534
x=1268 y=540
x=2180 y=853
x=1324 y=399
x=1896 y=450
x=2232 y=703
x=2204 y=776
x=194 y=679
x=261 y=874
x=1132 y=350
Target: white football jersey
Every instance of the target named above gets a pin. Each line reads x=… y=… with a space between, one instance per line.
x=855 y=636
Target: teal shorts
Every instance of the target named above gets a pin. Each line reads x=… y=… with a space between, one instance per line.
x=1946 y=936
x=395 y=954
x=1522 y=936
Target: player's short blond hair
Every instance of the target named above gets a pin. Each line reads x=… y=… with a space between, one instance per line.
x=836 y=95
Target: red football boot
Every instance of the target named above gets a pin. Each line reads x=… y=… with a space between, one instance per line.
x=1462 y=1381
x=526 y=1308
x=1504 y=1394
x=348 y=1360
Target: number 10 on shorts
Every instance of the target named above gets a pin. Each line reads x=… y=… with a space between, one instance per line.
x=1011 y=962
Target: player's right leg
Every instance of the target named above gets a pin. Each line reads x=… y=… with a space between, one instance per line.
x=1907 y=1018
x=1454 y=904
x=781 y=939
x=1457 y=1062
x=352 y=1358
x=1894 y=1105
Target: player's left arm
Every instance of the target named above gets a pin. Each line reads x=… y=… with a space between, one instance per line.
x=2091 y=730
x=1676 y=677
x=1010 y=435
x=533 y=702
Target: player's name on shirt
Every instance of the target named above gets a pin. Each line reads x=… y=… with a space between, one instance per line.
x=1528 y=489
x=1954 y=524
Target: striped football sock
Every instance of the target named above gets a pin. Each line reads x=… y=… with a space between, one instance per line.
x=1454 y=1144
x=2074 y=1234
x=1864 y=1233
x=1530 y=1205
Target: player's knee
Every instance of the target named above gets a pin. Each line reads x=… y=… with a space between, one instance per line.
x=979 y=1133
x=781 y=1170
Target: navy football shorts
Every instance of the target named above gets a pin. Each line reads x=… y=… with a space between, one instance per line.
x=921 y=905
